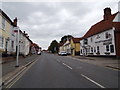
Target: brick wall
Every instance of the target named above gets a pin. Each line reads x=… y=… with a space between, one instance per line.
x=117 y=43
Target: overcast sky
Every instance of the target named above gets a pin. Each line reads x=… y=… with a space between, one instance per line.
x=47 y=21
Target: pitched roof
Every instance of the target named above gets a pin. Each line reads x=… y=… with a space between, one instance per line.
x=102 y=26
x=76 y=40
x=5 y=15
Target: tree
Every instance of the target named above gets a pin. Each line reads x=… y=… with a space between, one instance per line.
x=64 y=38
x=53 y=46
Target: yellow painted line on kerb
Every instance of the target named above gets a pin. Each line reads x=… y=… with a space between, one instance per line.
x=12 y=83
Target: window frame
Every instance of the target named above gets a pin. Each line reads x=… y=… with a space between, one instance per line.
x=2 y=42
x=107 y=48
x=3 y=23
x=113 y=49
x=98 y=49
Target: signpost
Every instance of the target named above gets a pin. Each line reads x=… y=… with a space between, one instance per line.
x=17 y=57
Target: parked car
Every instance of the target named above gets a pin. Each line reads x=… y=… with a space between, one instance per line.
x=62 y=53
x=39 y=53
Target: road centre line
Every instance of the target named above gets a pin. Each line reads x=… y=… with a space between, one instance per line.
x=67 y=66
x=93 y=81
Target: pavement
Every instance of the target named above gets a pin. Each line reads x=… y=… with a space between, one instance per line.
x=8 y=66
x=109 y=62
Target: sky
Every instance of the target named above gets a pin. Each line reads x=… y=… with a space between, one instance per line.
x=45 y=21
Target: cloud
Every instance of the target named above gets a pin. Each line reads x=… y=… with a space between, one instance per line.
x=46 y=21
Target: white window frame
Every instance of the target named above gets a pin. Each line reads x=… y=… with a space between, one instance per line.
x=12 y=44
x=3 y=23
x=1 y=42
x=112 y=50
x=107 y=48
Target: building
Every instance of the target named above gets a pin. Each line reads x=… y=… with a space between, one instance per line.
x=35 y=48
x=75 y=46
x=24 y=42
x=60 y=46
x=67 y=47
x=9 y=38
x=102 y=39
x=7 y=44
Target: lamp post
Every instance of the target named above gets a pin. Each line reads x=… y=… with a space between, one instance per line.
x=17 y=57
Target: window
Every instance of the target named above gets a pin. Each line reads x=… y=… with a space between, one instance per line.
x=107 y=48
x=86 y=41
x=98 y=49
x=94 y=49
x=12 y=31
x=88 y=50
x=1 y=42
x=98 y=36
x=106 y=35
x=3 y=23
x=91 y=39
x=81 y=50
x=112 y=48
x=12 y=44
x=91 y=49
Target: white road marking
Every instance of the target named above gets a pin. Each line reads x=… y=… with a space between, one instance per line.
x=67 y=66
x=93 y=81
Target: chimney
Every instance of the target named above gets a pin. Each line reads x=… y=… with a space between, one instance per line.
x=24 y=32
x=107 y=13
x=15 y=22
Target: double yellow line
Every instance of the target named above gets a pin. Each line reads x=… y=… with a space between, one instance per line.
x=19 y=75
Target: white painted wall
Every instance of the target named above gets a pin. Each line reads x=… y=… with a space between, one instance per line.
x=67 y=47
x=26 y=46
x=98 y=42
x=12 y=39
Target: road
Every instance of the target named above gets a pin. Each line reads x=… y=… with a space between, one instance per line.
x=53 y=71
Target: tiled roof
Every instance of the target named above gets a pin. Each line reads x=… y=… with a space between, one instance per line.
x=102 y=26
x=76 y=40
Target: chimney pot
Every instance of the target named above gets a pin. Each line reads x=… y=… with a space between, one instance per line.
x=24 y=32
x=15 y=22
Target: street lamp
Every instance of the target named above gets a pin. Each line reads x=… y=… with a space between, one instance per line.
x=17 y=64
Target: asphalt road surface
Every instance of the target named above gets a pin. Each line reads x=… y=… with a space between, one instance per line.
x=53 y=71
